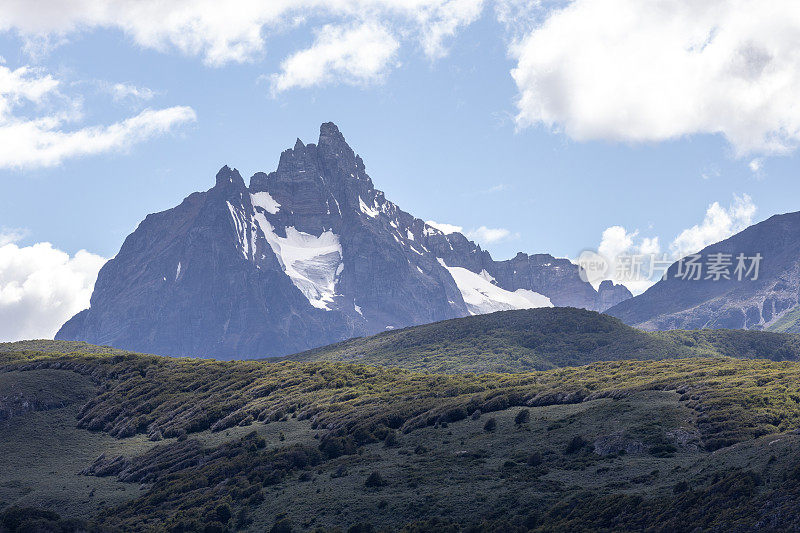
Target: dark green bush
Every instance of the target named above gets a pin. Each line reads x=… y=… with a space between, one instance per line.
x=375 y=480
x=575 y=445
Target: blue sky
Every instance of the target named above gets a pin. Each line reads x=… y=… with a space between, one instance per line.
x=546 y=128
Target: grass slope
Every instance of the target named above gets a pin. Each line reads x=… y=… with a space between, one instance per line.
x=51 y=346
x=540 y=339
x=788 y=323
x=188 y=445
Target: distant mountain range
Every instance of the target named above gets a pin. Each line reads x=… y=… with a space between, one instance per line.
x=305 y=256
x=766 y=296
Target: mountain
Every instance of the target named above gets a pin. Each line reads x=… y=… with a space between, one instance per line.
x=302 y=257
x=540 y=339
x=768 y=301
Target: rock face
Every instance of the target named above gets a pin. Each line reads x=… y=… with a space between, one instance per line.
x=610 y=294
x=305 y=256
x=765 y=302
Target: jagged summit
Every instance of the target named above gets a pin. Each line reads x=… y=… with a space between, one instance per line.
x=308 y=254
x=228 y=176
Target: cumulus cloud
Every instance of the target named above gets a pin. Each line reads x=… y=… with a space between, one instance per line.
x=633 y=71
x=718 y=224
x=45 y=139
x=41 y=287
x=238 y=31
x=353 y=55
x=629 y=258
x=484 y=235
x=447 y=229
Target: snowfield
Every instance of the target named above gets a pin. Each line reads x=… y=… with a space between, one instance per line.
x=482 y=296
x=313 y=263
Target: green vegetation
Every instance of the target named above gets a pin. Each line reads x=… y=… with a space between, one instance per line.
x=197 y=443
x=111 y=440
x=50 y=346
x=788 y=323
x=540 y=339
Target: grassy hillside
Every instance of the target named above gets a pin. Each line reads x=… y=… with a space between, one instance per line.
x=788 y=323
x=51 y=346
x=156 y=443
x=540 y=339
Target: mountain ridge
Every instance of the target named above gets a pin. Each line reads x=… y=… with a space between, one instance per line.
x=304 y=256
x=676 y=303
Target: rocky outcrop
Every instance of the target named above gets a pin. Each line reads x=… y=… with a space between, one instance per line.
x=610 y=294
x=304 y=256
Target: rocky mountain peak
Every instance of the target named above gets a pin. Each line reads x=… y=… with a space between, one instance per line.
x=309 y=254
x=329 y=135
x=227 y=177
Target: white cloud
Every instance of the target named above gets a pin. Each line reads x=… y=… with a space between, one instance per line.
x=627 y=258
x=484 y=235
x=441 y=20
x=616 y=241
x=500 y=187
x=353 y=55
x=447 y=229
x=41 y=287
x=719 y=224
x=633 y=71
x=9 y=235
x=237 y=31
x=42 y=140
x=127 y=91
x=481 y=235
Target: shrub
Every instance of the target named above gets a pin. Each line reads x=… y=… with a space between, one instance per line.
x=575 y=445
x=663 y=450
x=679 y=487
x=333 y=446
x=375 y=480
x=522 y=417
x=223 y=513
x=535 y=459
x=214 y=527
x=282 y=525
x=490 y=425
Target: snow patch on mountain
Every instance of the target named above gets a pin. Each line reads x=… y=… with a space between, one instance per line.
x=482 y=296
x=367 y=210
x=241 y=225
x=313 y=263
x=266 y=202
